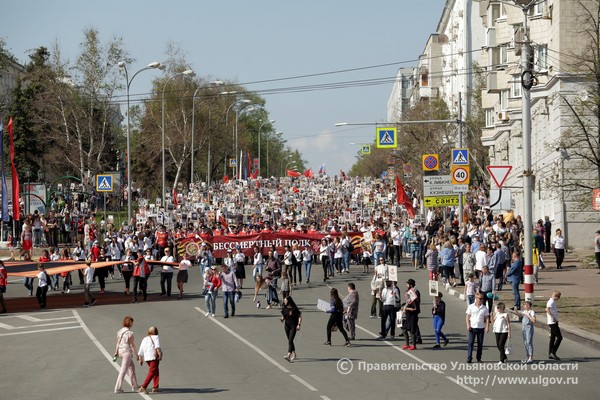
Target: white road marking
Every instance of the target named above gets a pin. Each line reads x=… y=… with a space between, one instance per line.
x=40 y=331
x=103 y=350
x=302 y=381
x=36 y=319
x=262 y=353
x=411 y=355
x=11 y=327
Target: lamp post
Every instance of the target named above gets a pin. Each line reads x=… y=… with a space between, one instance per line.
x=239 y=112
x=215 y=83
x=233 y=131
x=283 y=170
x=164 y=181
x=268 y=170
x=123 y=66
x=272 y=121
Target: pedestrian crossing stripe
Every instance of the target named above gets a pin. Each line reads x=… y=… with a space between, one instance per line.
x=460 y=157
x=387 y=138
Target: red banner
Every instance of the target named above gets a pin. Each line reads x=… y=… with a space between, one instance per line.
x=220 y=244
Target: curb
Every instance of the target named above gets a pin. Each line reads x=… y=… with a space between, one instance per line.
x=571 y=332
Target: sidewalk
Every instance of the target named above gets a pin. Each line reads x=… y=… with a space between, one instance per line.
x=572 y=281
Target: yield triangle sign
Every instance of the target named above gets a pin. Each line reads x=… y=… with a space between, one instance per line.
x=499 y=173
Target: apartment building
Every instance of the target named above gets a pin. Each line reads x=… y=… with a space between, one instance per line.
x=554 y=36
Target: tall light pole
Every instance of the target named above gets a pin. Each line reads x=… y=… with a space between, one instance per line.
x=272 y=121
x=268 y=170
x=233 y=131
x=293 y=162
x=215 y=83
x=164 y=179
x=123 y=66
x=239 y=112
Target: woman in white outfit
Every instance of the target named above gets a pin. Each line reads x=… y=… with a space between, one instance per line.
x=125 y=349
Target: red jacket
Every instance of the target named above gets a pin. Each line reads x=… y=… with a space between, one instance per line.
x=3 y=276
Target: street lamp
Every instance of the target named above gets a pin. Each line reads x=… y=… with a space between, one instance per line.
x=233 y=131
x=293 y=162
x=215 y=83
x=164 y=185
x=123 y=66
x=276 y=133
x=272 y=121
x=239 y=112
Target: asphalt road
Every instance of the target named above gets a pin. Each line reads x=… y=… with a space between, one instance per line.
x=66 y=351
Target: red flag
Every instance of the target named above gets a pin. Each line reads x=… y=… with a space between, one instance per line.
x=226 y=179
x=293 y=173
x=175 y=197
x=15 y=178
x=308 y=173
x=254 y=175
x=223 y=222
x=258 y=183
x=402 y=198
x=295 y=189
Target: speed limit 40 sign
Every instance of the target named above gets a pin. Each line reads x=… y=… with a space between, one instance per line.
x=460 y=175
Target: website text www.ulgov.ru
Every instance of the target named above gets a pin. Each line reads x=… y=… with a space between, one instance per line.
x=493 y=380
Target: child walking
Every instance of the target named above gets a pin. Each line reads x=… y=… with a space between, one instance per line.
x=529 y=319
x=470 y=289
x=502 y=330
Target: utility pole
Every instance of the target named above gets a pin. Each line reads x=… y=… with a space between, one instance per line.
x=460 y=145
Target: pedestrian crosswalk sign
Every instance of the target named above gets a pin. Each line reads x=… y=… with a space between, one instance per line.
x=104 y=183
x=460 y=156
x=387 y=138
x=366 y=149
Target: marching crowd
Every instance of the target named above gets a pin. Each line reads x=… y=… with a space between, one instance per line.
x=481 y=253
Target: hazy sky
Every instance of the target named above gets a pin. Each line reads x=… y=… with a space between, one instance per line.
x=248 y=41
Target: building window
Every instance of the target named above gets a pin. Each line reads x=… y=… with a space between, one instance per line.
x=489 y=117
x=541 y=57
x=515 y=86
x=538 y=8
x=496 y=12
x=504 y=100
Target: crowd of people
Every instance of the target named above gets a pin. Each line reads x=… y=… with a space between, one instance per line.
x=482 y=253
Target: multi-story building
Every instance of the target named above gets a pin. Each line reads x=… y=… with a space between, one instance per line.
x=553 y=36
x=10 y=71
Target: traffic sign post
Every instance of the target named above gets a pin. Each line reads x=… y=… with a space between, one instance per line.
x=460 y=157
x=440 y=201
x=387 y=138
x=366 y=149
x=105 y=183
x=499 y=173
x=460 y=175
x=430 y=162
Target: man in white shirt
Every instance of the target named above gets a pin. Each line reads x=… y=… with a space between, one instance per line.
x=390 y=295
x=166 y=274
x=552 y=317
x=481 y=259
x=478 y=323
x=397 y=237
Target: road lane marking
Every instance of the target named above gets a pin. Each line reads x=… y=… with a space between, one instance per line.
x=262 y=353
x=411 y=355
x=12 y=327
x=105 y=353
x=36 y=319
x=40 y=331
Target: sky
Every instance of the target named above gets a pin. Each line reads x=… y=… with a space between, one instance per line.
x=262 y=40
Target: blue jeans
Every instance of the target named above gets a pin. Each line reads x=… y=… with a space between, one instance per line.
x=346 y=261
x=228 y=297
x=210 y=300
x=528 y=339
x=515 y=288
x=257 y=270
x=377 y=255
x=438 y=322
x=28 y=283
x=475 y=333
x=470 y=299
x=307 y=267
